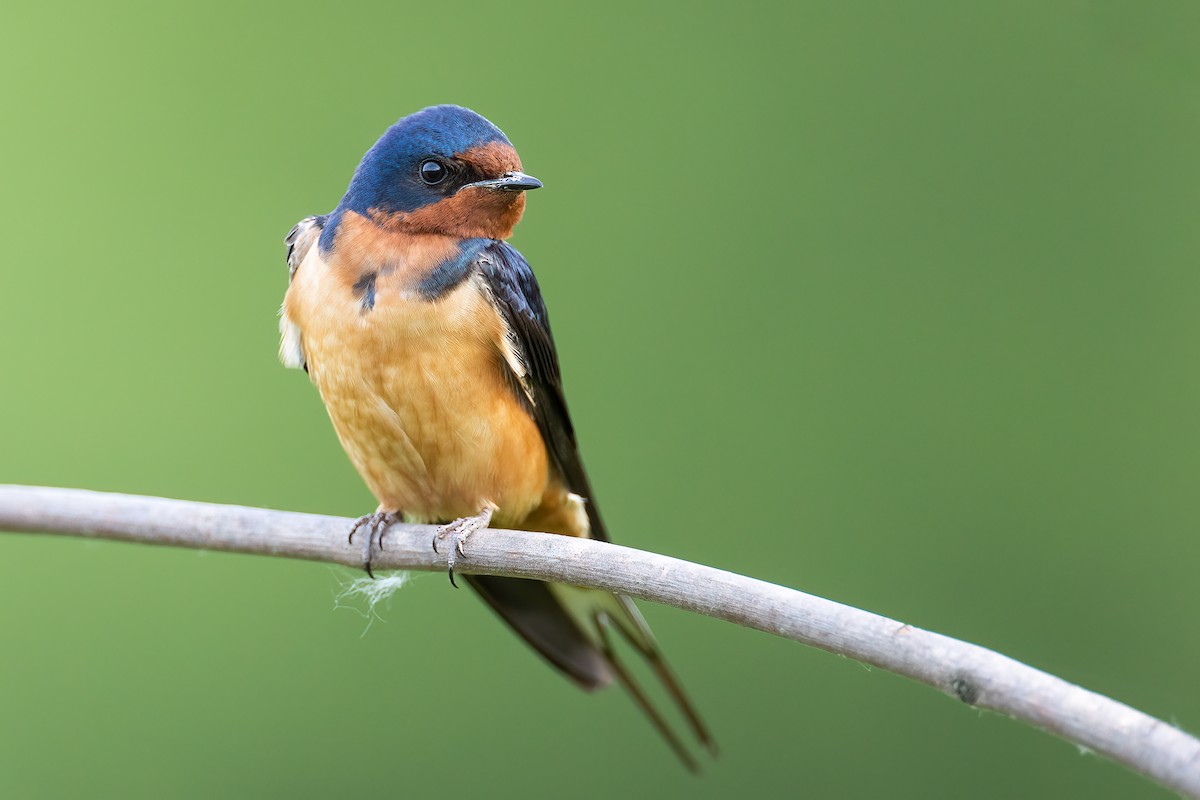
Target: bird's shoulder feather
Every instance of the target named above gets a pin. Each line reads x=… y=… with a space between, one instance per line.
x=299 y=241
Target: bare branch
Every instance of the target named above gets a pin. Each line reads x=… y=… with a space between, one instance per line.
x=975 y=675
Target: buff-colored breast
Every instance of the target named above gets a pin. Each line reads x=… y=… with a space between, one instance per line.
x=417 y=393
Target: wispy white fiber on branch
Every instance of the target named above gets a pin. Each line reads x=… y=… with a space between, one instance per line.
x=973 y=674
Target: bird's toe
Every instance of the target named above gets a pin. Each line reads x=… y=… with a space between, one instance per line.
x=458 y=532
x=374 y=527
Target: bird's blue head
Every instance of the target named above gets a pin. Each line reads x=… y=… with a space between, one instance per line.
x=443 y=170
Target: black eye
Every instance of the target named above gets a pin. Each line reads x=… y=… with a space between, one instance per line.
x=433 y=171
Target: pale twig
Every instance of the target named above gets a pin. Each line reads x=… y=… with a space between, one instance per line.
x=977 y=676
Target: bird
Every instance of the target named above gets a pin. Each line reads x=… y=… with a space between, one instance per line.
x=427 y=337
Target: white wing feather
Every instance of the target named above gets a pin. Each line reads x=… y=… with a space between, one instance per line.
x=299 y=241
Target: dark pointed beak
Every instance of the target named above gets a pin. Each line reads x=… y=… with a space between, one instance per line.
x=509 y=182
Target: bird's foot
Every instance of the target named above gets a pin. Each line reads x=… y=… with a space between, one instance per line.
x=374 y=526
x=458 y=532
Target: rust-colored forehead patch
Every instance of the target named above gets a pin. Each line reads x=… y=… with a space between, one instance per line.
x=492 y=159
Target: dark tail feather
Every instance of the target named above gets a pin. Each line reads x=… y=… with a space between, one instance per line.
x=536 y=614
x=639 y=636
x=639 y=697
x=579 y=645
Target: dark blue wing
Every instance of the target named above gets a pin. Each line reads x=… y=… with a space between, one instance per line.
x=516 y=293
x=530 y=607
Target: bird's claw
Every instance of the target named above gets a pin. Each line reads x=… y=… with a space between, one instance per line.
x=458 y=532
x=375 y=526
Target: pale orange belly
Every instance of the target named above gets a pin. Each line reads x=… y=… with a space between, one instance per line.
x=418 y=396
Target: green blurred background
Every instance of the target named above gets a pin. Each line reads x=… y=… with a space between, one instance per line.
x=895 y=303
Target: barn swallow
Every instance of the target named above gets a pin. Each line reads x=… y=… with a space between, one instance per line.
x=427 y=338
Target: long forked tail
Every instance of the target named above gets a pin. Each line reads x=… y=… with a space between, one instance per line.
x=628 y=621
x=572 y=629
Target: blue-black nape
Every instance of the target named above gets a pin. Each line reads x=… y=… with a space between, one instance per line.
x=388 y=178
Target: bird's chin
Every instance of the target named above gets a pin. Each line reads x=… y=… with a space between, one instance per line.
x=501 y=211
x=472 y=212
x=483 y=212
